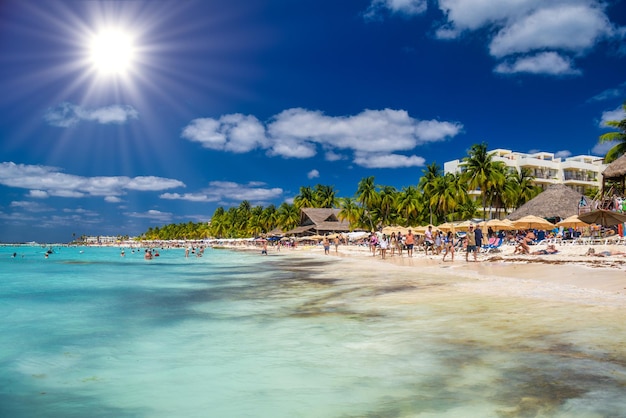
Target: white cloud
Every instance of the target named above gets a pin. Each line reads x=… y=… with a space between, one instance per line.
x=43 y=181
x=152 y=214
x=38 y=194
x=299 y=133
x=236 y=133
x=313 y=174
x=227 y=191
x=388 y=161
x=377 y=8
x=67 y=114
x=564 y=27
x=603 y=148
x=531 y=27
x=543 y=63
x=616 y=114
x=562 y=154
x=609 y=94
x=28 y=206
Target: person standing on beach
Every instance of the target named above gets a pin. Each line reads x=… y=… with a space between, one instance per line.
x=393 y=243
x=448 y=246
x=326 y=245
x=471 y=244
x=399 y=243
x=429 y=243
x=410 y=242
x=336 y=244
x=373 y=243
x=384 y=244
x=478 y=234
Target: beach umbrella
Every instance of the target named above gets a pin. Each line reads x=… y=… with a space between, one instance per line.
x=394 y=228
x=572 y=222
x=464 y=226
x=447 y=226
x=498 y=224
x=603 y=217
x=533 y=222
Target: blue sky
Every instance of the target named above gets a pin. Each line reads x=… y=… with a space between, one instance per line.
x=221 y=101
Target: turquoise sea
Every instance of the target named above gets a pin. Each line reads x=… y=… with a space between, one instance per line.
x=88 y=333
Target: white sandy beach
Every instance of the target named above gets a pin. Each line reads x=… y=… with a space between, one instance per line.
x=568 y=276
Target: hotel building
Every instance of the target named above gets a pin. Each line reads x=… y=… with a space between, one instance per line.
x=582 y=173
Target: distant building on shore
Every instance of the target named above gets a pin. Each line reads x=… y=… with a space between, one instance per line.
x=582 y=172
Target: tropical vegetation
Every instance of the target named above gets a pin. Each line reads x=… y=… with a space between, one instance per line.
x=618 y=137
x=436 y=198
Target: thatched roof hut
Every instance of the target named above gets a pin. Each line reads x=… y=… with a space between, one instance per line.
x=557 y=201
x=616 y=171
x=319 y=221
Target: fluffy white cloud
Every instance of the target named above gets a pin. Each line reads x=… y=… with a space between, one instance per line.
x=227 y=191
x=388 y=161
x=543 y=63
x=67 y=114
x=531 y=27
x=30 y=206
x=603 y=148
x=313 y=174
x=616 y=114
x=564 y=27
x=299 y=133
x=43 y=181
x=235 y=133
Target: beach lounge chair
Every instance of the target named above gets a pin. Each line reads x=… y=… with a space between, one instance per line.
x=493 y=246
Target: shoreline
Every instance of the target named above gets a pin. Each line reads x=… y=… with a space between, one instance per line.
x=569 y=272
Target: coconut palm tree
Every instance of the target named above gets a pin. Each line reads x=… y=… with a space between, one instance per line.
x=350 y=211
x=288 y=216
x=325 y=196
x=387 y=204
x=427 y=183
x=305 y=199
x=619 y=136
x=481 y=172
x=409 y=205
x=368 y=197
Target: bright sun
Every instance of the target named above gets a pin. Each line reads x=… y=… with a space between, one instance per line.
x=112 y=52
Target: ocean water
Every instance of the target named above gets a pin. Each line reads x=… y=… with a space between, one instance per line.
x=88 y=333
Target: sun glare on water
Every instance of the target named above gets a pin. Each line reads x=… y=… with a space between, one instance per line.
x=112 y=52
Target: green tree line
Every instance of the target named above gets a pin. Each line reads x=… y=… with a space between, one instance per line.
x=436 y=198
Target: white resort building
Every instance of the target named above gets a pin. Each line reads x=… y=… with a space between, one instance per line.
x=582 y=172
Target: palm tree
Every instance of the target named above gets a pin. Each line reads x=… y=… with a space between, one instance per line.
x=620 y=137
x=305 y=199
x=409 y=205
x=387 y=204
x=288 y=216
x=445 y=195
x=350 y=211
x=325 y=196
x=427 y=183
x=481 y=172
x=368 y=197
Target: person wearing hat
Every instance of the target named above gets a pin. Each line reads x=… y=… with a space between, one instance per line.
x=471 y=244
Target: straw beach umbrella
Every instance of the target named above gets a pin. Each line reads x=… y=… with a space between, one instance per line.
x=498 y=224
x=603 y=217
x=572 y=222
x=464 y=226
x=533 y=222
x=447 y=226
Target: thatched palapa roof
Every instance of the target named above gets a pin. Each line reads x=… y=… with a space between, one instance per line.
x=615 y=170
x=558 y=200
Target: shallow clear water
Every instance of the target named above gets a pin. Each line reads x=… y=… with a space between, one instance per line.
x=236 y=334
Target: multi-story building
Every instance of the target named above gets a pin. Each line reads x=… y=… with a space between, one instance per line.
x=582 y=172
